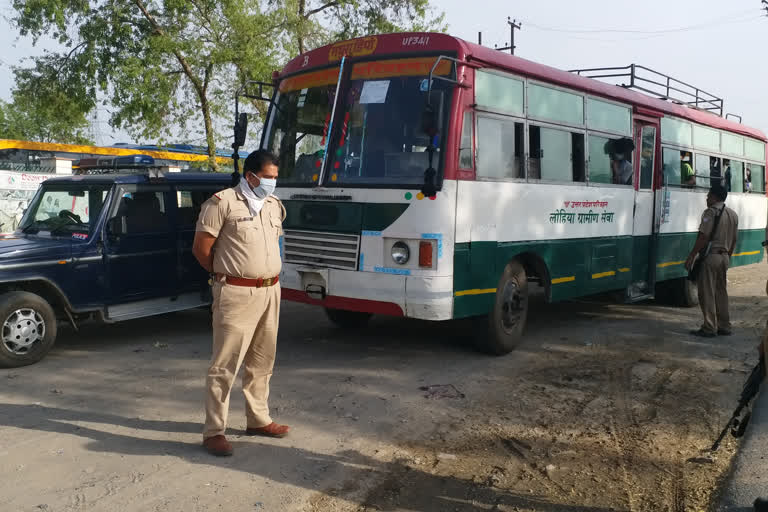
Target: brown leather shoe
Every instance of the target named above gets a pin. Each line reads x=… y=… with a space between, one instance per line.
x=218 y=446
x=271 y=430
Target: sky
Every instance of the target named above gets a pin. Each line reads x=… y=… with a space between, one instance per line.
x=717 y=46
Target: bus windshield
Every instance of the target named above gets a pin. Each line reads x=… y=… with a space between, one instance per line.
x=377 y=137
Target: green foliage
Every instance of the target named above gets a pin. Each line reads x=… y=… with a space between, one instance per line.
x=171 y=67
x=44 y=109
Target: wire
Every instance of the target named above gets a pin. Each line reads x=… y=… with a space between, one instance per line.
x=654 y=36
x=736 y=18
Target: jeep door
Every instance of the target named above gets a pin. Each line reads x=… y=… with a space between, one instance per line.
x=140 y=245
x=189 y=199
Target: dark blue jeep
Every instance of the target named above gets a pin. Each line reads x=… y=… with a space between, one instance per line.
x=109 y=247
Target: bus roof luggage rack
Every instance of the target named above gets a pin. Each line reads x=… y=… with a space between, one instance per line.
x=659 y=85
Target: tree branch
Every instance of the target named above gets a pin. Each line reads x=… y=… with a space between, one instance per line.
x=321 y=9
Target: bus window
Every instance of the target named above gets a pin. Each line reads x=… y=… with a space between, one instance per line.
x=551 y=104
x=677 y=168
x=466 y=157
x=704 y=168
x=754 y=178
x=737 y=175
x=647 y=153
x=298 y=127
x=607 y=164
x=381 y=140
x=499 y=152
x=715 y=170
x=499 y=93
x=556 y=155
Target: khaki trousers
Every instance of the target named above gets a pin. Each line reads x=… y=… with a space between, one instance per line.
x=245 y=321
x=713 y=296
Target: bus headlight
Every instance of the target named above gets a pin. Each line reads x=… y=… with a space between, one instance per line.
x=400 y=253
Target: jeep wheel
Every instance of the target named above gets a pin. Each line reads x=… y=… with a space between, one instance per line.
x=503 y=328
x=348 y=319
x=28 y=326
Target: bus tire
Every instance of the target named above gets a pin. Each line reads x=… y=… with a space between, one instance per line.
x=348 y=319
x=687 y=293
x=506 y=322
x=27 y=329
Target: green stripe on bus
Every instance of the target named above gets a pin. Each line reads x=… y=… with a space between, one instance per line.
x=580 y=266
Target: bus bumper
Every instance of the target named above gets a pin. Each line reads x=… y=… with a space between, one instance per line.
x=426 y=298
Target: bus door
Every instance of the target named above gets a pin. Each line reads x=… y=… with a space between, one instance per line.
x=644 y=230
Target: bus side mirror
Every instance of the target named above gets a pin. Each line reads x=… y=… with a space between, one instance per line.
x=429 y=121
x=241 y=129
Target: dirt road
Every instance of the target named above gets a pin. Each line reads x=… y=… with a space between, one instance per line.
x=597 y=411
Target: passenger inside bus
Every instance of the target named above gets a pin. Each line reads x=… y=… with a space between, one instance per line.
x=715 y=172
x=726 y=181
x=687 y=176
x=748 y=180
x=622 y=169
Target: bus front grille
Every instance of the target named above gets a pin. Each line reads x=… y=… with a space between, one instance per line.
x=333 y=250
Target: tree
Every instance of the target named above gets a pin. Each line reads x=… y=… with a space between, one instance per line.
x=167 y=66
x=44 y=112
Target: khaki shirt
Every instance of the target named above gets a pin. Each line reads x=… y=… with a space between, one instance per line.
x=727 y=231
x=246 y=246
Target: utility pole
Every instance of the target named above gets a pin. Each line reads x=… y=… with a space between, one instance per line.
x=513 y=24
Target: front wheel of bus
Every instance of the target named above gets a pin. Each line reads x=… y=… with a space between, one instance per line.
x=506 y=323
x=348 y=319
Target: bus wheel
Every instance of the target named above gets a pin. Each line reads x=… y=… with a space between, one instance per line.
x=506 y=323
x=28 y=326
x=687 y=293
x=348 y=319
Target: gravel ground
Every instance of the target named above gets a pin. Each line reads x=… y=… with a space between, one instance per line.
x=599 y=409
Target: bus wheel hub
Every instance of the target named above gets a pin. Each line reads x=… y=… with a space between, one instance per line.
x=512 y=306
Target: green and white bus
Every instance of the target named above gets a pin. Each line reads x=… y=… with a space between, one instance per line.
x=432 y=178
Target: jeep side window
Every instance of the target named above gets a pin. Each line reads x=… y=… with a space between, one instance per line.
x=189 y=201
x=143 y=212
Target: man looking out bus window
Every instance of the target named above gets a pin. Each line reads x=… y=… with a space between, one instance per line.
x=622 y=170
x=687 y=176
x=718 y=233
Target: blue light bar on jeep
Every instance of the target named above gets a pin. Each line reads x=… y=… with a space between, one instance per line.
x=115 y=163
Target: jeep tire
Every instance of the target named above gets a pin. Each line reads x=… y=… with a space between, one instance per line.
x=27 y=329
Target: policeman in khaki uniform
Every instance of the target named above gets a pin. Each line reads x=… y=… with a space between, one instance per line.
x=713 y=296
x=237 y=240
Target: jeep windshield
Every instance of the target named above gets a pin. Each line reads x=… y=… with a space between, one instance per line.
x=377 y=138
x=66 y=209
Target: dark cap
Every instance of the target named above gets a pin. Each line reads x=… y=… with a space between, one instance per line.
x=718 y=191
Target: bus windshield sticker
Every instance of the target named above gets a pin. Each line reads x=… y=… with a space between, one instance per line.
x=374 y=92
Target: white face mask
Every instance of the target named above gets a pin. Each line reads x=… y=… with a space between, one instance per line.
x=266 y=187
